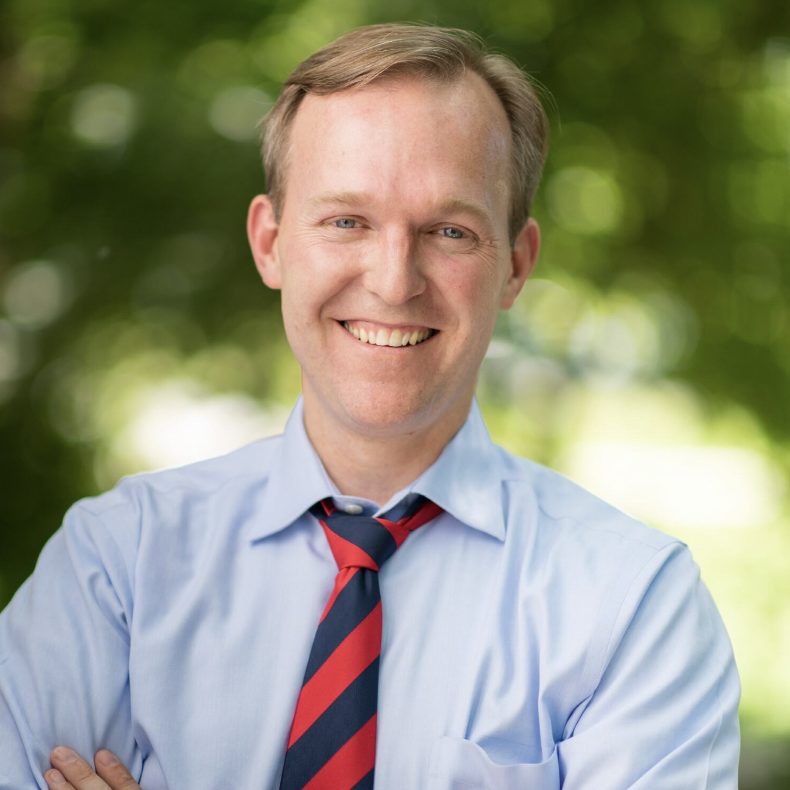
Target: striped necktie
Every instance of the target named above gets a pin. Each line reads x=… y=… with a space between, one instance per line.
x=332 y=743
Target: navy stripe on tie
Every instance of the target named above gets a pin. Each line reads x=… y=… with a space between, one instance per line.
x=355 y=602
x=412 y=509
x=367 y=533
x=334 y=727
x=365 y=783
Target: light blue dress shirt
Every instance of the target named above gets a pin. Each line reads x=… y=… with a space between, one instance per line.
x=534 y=637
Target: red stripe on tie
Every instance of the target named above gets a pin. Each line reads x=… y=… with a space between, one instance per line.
x=400 y=530
x=399 y=533
x=351 y=657
x=347 y=553
x=350 y=763
x=341 y=580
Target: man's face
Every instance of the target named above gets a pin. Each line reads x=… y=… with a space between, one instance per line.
x=392 y=251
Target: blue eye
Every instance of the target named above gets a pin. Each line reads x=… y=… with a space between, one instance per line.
x=346 y=223
x=452 y=233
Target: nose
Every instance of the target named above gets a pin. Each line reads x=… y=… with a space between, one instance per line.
x=394 y=271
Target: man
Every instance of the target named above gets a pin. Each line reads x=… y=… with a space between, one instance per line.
x=532 y=636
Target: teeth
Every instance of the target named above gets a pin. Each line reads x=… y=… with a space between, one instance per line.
x=383 y=337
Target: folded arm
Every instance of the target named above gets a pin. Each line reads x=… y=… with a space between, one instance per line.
x=64 y=653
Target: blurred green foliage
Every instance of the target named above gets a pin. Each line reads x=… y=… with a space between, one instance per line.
x=128 y=155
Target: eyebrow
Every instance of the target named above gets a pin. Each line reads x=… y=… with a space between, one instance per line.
x=344 y=198
x=466 y=207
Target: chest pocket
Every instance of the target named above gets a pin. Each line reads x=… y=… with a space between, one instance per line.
x=457 y=764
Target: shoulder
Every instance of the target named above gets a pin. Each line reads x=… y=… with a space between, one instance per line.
x=182 y=500
x=161 y=525
x=590 y=565
x=200 y=481
x=568 y=514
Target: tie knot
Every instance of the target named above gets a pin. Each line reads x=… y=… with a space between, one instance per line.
x=367 y=541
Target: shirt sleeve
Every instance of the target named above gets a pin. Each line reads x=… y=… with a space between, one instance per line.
x=64 y=650
x=664 y=712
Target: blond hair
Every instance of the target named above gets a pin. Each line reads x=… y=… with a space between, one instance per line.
x=369 y=53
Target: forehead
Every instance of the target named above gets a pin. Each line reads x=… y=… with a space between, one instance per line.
x=465 y=104
x=401 y=131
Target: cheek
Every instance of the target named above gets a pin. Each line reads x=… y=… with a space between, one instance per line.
x=476 y=291
x=317 y=267
x=308 y=295
x=298 y=299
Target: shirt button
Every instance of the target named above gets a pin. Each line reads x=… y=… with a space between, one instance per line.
x=352 y=509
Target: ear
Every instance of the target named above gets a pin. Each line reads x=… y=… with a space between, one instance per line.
x=523 y=258
x=262 y=231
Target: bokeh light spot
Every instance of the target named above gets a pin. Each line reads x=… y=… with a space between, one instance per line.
x=619 y=337
x=103 y=115
x=550 y=311
x=236 y=111
x=583 y=200
x=176 y=422
x=37 y=293
x=45 y=59
x=681 y=487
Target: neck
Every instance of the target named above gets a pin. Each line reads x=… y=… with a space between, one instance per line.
x=375 y=464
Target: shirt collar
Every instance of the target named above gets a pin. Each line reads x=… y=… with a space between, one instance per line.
x=466 y=479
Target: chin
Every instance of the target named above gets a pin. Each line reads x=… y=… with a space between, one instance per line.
x=387 y=417
x=427 y=413
x=388 y=409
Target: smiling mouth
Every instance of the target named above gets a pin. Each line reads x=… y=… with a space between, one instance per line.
x=386 y=336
